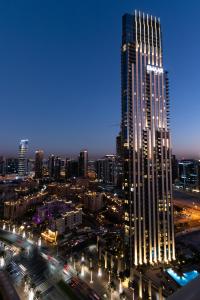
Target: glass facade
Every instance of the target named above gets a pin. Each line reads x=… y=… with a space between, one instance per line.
x=146 y=144
x=22 y=160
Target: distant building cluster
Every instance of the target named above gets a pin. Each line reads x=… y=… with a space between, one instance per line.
x=186 y=173
x=106 y=170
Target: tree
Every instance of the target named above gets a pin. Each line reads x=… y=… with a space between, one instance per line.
x=38 y=294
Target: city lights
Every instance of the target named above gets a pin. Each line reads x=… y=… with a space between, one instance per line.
x=121 y=218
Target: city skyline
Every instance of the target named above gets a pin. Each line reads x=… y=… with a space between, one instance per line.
x=36 y=46
x=99 y=156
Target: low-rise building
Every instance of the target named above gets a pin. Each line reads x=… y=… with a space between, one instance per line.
x=93 y=201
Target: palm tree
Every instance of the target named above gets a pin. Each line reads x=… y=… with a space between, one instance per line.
x=38 y=294
x=25 y=278
x=32 y=285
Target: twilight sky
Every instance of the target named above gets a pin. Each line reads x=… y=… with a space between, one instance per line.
x=60 y=73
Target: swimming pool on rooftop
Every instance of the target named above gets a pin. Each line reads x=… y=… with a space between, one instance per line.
x=185 y=279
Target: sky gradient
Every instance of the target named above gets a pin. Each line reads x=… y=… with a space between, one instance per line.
x=60 y=73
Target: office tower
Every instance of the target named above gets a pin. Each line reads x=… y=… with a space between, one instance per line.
x=174 y=169
x=22 y=159
x=188 y=171
x=83 y=164
x=146 y=143
x=2 y=166
x=11 y=166
x=51 y=163
x=119 y=169
x=71 y=168
x=39 y=155
x=30 y=166
x=57 y=168
x=106 y=169
x=118 y=145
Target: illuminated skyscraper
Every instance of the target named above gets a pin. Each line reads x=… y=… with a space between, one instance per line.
x=22 y=159
x=39 y=155
x=146 y=143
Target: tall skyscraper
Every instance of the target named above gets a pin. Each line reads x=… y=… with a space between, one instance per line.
x=57 y=168
x=106 y=169
x=71 y=168
x=188 y=171
x=146 y=143
x=83 y=164
x=11 y=166
x=22 y=159
x=51 y=164
x=2 y=166
x=39 y=155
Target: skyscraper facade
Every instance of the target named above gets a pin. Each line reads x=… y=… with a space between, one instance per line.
x=83 y=164
x=39 y=155
x=22 y=159
x=71 y=168
x=146 y=143
x=51 y=164
x=57 y=168
x=106 y=169
x=11 y=166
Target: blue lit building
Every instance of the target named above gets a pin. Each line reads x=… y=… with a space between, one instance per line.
x=22 y=158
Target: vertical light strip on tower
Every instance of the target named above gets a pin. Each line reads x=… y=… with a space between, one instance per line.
x=146 y=145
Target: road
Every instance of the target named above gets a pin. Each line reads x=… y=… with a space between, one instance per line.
x=30 y=262
x=189 y=216
x=45 y=272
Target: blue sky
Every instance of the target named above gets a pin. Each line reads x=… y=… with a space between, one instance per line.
x=60 y=73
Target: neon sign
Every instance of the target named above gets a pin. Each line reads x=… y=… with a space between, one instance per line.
x=154 y=69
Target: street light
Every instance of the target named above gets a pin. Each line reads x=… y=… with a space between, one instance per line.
x=74 y=264
x=39 y=242
x=82 y=258
x=99 y=271
x=2 y=262
x=82 y=270
x=91 y=279
x=120 y=286
x=109 y=277
x=133 y=293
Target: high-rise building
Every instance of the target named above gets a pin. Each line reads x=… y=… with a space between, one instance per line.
x=106 y=169
x=39 y=155
x=83 y=164
x=119 y=169
x=71 y=168
x=146 y=143
x=174 y=169
x=2 y=166
x=11 y=166
x=188 y=171
x=57 y=168
x=51 y=164
x=118 y=145
x=22 y=159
